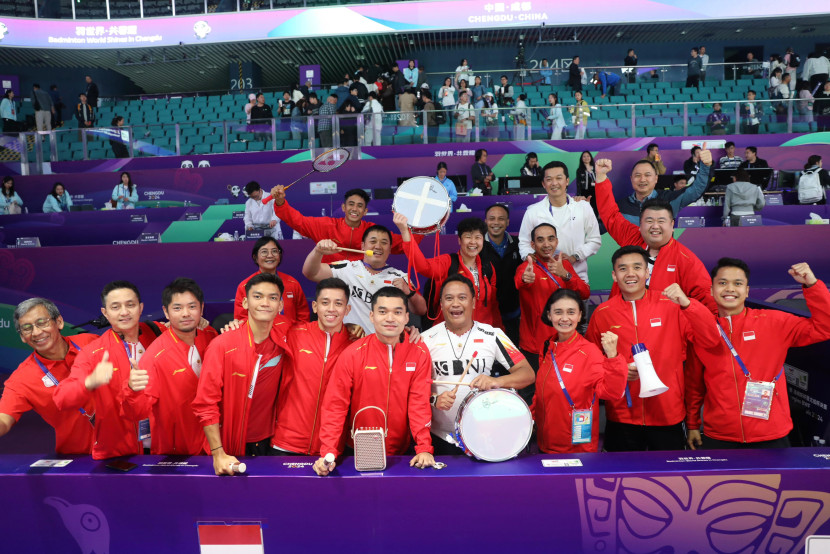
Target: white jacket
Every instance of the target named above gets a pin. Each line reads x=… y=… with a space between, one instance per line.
x=576 y=228
x=257 y=213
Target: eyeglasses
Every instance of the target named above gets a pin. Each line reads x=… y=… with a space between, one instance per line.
x=28 y=328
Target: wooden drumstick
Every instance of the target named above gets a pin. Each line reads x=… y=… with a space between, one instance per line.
x=356 y=251
x=457 y=383
x=466 y=369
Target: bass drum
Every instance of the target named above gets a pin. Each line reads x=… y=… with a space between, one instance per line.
x=493 y=425
x=425 y=203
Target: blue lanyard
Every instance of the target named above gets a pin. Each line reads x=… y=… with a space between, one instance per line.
x=738 y=357
x=371 y=269
x=126 y=346
x=549 y=274
x=562 y=384
x=550 y=208
x=52 y=377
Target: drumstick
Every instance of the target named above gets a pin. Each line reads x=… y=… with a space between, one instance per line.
x=367 y=252
x=457 y=383
x=466 y=369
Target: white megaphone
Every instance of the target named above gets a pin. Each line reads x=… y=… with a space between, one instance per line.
x=650 y=383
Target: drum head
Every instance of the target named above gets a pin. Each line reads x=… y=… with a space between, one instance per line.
x=494 y=425
x=425 y=203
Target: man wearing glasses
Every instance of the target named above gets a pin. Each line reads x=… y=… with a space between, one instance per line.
x=30 y=387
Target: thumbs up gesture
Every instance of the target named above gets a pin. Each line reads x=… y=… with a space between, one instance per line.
x=706 y=157
x=101 y=375
x=528 y=276
x=138 y=377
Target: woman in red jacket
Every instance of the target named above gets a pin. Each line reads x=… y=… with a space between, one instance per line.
x=573 y=375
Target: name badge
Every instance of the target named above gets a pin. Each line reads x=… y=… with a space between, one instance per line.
x=758 y=399
x=410 y=366
x=749 y=335
x=581 y=426
x=567 y=368
x=671 y=268
x=144 y=429
x=655 y=322
x=47 y=382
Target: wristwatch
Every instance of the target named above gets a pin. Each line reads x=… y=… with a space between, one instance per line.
x=432 y=399
x=567 y=276
x=412 y=293
x=576 y=257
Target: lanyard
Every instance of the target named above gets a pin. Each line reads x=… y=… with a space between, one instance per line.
x=738 y=357
x=562 y=384
x=126 y=346
x=550 y=207
x=549 y=274
x=370 y=269
x=52 y=377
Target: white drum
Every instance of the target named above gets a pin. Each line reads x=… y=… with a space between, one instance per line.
x=425 y=203
x=493 y=425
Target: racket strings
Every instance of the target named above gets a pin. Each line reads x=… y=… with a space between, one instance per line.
x=330 y=160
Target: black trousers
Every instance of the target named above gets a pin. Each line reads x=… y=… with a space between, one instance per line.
x=693 y=81
x=626 y=437
x=716 y=444
x=259 y=448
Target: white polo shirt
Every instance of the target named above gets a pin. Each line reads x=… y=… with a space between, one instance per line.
x=362 y=286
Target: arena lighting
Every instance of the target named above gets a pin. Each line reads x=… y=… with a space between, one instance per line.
x=553 y=40
x=475 y=38
x=739 y=30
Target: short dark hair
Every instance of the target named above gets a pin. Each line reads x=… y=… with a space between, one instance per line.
x=471 y=224
x=115 y=285
x=334 y=96
x=497 y=205
x=458 y=278
x=556 y=296
x=728 y=144
x=331 y=283
x=554 y=165
x=379 y=229
x=813 y=160
x=742 y=175
x=680 y=177
x=533 y=232
x=264 y=278
x=657 y=204
x=390 y=292
x=694 y=149
x=750 y=90
x=262 y=241
x=357 y=192
x=730 y=262
x=180 y=286
x=252 y=187
x=644 y=161
x=625 y=250
x=752 y=149
x=651 y=147
x=479 y=152
x=440 y=166
x=695 y=50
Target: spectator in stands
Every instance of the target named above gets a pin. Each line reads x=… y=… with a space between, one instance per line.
x=119 y=149
x=531 y=166
x=585 y=182
x=298 y=119
x=581 y=111
x=555 y=116
x=249 y=106
x=407 y=104
x=490 y=113
x=8 y=112
x=808 y=68
x=481 y=173
x=653 y=155
x=262 y=115
x=751 y=114
x=43 y=108
x=575 y=75
x=813 y=165
x=775 y=62
x=348 y=125
x=545 y=71
x=441 y=175
x=422 y=77
x=295 y=92
x=465 y=117
x=57 y=101
x=410 y=74
x=751 y=66
x=306 y=88
x=630 y=63
x=704 y=63
x=430 y=118
x=399 y=84
x=463 y=88
x=10 y=202
x=521 y=119
x=504 y=93
x=693 y=70
x=360 y=90
x=774 y=81
x=478 y=91
x=821 y=108
x=324 y=124
x=259 y=216
x=84 y=113
x=607 y=81
x=502 y=250
x=464 y=72
x=125 y=193
x=742 y=198
x=373 y=120
x=58 y=200
x=821 y=71
x=730 y=160
x=792 y=61
x=804 y=106
x=717 y=121
x=680 y=182
x=753 y=162
x=286 y=104
x=654 y=75
x=691 y=167
x=447 y=96
x=91 y=92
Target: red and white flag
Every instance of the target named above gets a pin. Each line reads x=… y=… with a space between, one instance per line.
x=230 y=539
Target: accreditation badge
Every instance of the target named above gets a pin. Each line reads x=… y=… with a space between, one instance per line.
x=581 y=421
x=758 y=399
x=143 y=429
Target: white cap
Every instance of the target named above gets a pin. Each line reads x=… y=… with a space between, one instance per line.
x=252 y=96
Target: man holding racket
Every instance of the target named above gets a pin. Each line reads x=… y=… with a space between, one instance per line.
x=464 y=351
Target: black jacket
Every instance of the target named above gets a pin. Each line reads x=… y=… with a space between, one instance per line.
x=92 y=94
x=261 y=112
x=506 y=267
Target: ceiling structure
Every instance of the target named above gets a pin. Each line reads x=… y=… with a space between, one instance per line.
x=205 y=67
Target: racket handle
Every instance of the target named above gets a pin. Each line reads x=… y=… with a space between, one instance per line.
x=266 y=199
x=239 y=467
x=329 y=459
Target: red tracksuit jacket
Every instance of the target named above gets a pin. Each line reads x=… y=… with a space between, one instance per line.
x=486 y=309
x=312 y=354
x=114 y=435
x=27 y=389
x=222 y=394
x=586 y=371
x=674 y=264
x=663 y=327
x=761 y=338
x=295 y=305
x=334 y=228
x=364 y=377
x=532 y=298
x=169 y=394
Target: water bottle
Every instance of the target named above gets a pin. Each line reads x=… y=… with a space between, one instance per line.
x=236 y=235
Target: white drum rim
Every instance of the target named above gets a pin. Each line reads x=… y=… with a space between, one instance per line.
x=435 y=227
x=459 y=423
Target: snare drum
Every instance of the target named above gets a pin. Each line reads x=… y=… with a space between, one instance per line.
x=493 y=425
x=425 y=203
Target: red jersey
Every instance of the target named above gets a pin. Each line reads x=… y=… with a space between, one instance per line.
x=333 y=228
x=533 y=297
x=662 y=326
x=486 y=309
x=675 y=263
x=28 y=388
x=262 y=413
x=295 y=305
x=761 y=338
x=312 y=354
x=169 y=393
x=588 y=376
x=222 y=394
x=114 y=435
x=397 y=380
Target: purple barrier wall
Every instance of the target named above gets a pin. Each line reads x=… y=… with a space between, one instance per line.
x=715 y=501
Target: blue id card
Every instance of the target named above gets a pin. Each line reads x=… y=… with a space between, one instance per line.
x=581 y=426
x=143 y=429
x=758 y=399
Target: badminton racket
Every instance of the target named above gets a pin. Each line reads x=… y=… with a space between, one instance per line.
x=325 y=162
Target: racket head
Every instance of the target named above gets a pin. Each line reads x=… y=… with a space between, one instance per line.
x=331 y=159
